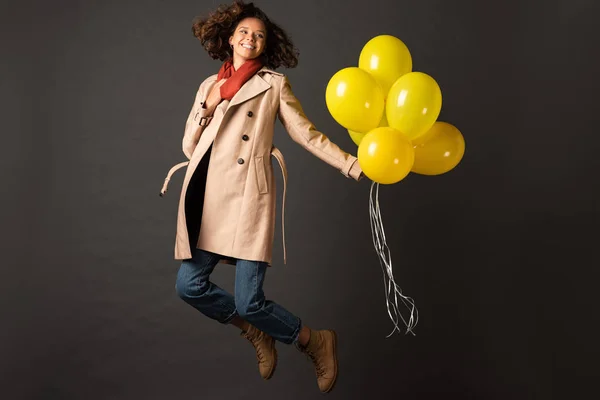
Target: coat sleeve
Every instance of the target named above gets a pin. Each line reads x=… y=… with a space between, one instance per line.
x=303 y=132
x=197 y=120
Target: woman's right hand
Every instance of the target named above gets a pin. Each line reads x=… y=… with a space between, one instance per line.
x=214 y=97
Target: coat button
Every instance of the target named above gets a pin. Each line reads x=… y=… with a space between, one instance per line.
x=250 y=113
x=245 y=137
x=240 y=160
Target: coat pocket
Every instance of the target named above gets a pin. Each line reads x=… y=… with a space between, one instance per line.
x=261 y=175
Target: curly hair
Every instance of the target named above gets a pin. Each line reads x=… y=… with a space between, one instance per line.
x=214 y=32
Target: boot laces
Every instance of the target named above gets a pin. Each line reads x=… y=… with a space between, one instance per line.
x=255 y=342
x=319 y=367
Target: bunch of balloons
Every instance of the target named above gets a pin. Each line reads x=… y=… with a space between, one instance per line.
x=391 y=114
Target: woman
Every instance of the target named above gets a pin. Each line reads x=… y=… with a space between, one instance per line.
x=228 y=199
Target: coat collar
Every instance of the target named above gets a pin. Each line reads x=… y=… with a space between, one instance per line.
x=253 y=87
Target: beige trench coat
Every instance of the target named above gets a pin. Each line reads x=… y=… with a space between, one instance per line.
x=236 y=179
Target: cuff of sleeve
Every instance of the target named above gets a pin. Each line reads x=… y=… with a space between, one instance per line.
x=352 y=169
x=202 y=117
x=356 y=172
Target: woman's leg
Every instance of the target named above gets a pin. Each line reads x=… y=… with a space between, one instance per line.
x=304 y=335
x=240 y=323
x=195 y=288
x=280 y=324
x=252 y=306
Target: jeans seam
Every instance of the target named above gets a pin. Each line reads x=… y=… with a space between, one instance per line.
x=296 y=329
x=229 y=317
x=208 y=260
x=280 y=320
x=296 y=334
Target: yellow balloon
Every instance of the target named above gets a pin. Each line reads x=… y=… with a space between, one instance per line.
x=385 y=155
x=384 y=121
x=414 y=104
x=441 y=152
x=357 y=137
x=355 y=99
x=386 y=58
x=424 y=137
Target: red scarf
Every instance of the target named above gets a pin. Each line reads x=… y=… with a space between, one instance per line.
x=236 y=79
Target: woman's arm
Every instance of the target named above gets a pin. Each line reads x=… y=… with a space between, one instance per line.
x=303 y=132
x=197 y=120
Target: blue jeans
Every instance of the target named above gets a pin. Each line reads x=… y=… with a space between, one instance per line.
x=195 y=288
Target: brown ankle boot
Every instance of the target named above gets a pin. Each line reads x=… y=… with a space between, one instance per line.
x=321 y=349
x=265 y=350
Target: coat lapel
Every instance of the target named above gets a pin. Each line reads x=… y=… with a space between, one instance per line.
x=255 y=86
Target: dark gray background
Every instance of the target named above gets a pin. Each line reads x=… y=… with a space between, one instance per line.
x=500 y=254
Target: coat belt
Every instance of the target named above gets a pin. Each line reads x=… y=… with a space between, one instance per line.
x=275 y=152
x=279 y=157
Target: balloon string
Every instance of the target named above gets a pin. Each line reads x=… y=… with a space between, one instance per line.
x=393 y=293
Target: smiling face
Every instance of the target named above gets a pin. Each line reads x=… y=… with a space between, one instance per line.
x=248 y=40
